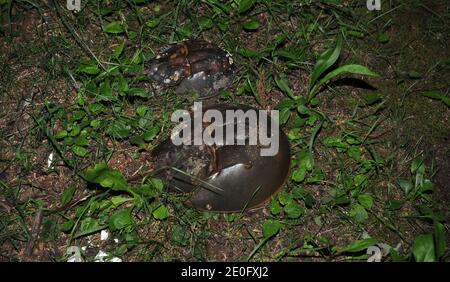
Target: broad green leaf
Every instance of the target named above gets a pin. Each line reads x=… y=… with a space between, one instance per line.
x=119 y=200
x=152 y=23
x=245 y=5
x=427 y=186
x=88 y=226
x=89 y=67
x=275 y=207
x=157 y=184
x=372 y=98
x=61 y=134
x=365 y=200
x=67 y=195
x=439 y=238
x=354 y=153
x=105 y=92
x=79 y=151
x=299 y=174
x=180 y=235
x=121 y=219
x=161 y=213
x=360 y=180
x=423 y=248
x=285 y=114
x=355 y=69
x=205 y=22
x=283 y=84
x=358 y=246
x=334 y=142
x=383 y=37
x=151 y=133
x=119 y=129
x=251 y=25
x=118 y=51
x=293 y=210
x=114 y=27
x=106 y=177
x=141 y=110
x=285 y=198
x=359 y=213
x=271 y=228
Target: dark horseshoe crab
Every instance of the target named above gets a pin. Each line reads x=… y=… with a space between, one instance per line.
x=193 y=66
x=224 y=178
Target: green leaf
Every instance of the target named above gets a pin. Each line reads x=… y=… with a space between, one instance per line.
x=271 y=228
x=355 y=69
x=67 y=195
x=205 y=22
x=114 y=27
x=334 y=142
x=433 y=94
x=359 y=213
x=283 y=84
x=89 y=67
x=152 y=23
x=437 y=96
x=426 y=186
x=299 y=174
x=285 y=114
x=248 y=53
x=151 y=133
x=354 y=153
x=106 y=177
x=141 y=110
x=157 y=184
x=105 y=92
x=383 y=37
x=358 y=246
x=245 y=5
x=372 y=98
x=161 y=213
x=119 y=129
x=325 y=61
x=79 y=151
x=439 y=239
x=275 y=207
x=423 y=248
x=293 y=210
x=251 y=25
x=121 y=219
x=118 y=51
x=88 y=226
x=365 y=200
x=61 y=134
x=446 y=101
x=137 y=92
x=180 y=235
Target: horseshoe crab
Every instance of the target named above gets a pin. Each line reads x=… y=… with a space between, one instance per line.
x=223 y=177
x=193 y=66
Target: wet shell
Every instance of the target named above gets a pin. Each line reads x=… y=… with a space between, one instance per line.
x=226 y=178
x=193 y=66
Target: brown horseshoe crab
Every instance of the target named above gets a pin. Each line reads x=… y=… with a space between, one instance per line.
x=193 y=66
x=222 y=177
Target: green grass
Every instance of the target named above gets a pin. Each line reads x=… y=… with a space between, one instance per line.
x=360 y=172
